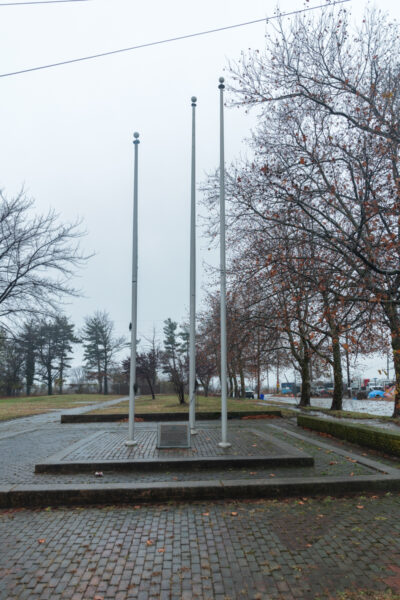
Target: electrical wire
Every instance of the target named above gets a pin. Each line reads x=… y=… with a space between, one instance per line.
x=169 y=40
x=39 y=2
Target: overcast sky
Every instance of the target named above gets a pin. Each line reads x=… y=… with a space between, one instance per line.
x=66 y=133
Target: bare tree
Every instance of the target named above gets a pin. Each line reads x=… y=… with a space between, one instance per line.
x=38 y=256
x=327 y=148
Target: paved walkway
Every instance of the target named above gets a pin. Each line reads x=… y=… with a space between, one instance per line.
x=307 y=548
x=304 y=549
x=28 y=424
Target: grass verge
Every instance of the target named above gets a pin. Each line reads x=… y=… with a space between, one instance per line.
x=170 y=404
x=12 y=408
x=364 y=435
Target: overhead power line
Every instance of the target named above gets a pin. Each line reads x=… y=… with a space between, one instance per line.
x=39 y=2
x=169 y=40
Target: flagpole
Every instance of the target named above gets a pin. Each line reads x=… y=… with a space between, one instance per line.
x=224 y=417
x=132 y=374
x=192 y=334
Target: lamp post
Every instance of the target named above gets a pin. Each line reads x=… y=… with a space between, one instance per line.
x=224 y=417
x=192 y=333
x=132 y=374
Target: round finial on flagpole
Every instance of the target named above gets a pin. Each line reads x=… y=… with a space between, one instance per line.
x=136 y=135
x=221 y=83
x=194 y=100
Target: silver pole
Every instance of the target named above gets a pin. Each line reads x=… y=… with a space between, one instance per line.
x=132 y=374
x=224 y=417
x=192 y=335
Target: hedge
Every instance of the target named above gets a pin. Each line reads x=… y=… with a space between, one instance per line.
x=379 y=439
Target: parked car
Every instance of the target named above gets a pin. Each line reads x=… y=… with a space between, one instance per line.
x=249 y=394
x=376 y=394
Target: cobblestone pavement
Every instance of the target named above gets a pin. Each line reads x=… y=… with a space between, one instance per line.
x=305 y=549
x=110 y=446
x=20 y=453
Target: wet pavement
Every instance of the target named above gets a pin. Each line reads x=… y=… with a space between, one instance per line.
x=306 y=548
x=382 y=408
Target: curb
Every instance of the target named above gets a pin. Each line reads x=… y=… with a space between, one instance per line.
x=111 y=494
x=175 y=463
x=161 y=417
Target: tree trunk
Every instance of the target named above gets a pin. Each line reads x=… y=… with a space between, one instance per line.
x=153 y=396
x=305 y=382
x=396 y=363
x=348 y=366
x=394 y=325
x=181 y=394
x=49 y=385
x=242 y=384
x=337 y=400
x=60 y=386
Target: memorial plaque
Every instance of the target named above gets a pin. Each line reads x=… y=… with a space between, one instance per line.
x=173 y=435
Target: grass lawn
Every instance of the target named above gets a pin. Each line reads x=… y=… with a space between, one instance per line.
x=347 y=414
x=170 y=404
x=10 y=408
x=342 y=414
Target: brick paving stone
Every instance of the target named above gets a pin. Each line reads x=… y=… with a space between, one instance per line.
x=274 y=549
x=20 y=453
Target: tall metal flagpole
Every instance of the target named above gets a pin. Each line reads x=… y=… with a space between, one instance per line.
x=224 y=417
x=192 y=335
x=132 y=375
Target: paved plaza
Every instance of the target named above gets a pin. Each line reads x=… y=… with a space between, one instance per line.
x=304 y=548
x=312 y=546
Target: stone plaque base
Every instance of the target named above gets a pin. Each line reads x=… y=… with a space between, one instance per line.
x=173 y=435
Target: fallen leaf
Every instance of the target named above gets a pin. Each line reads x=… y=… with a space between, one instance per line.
x=149 y=542
x=161 y=550
x=206 y=514
x=97 y=597
x=272 y=474
x=359 y=506
x=234 y=514
x=41 y=541
x=137 y=506
x=253 y=472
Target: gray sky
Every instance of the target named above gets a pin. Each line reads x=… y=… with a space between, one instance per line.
x=66 y=133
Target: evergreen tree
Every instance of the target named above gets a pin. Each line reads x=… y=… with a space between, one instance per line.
x=100 y=346
x=54 y=346
x=175 y=357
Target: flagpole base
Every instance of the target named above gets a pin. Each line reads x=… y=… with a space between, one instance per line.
x=193 y=431
x=224 y=444
x=130 y=442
